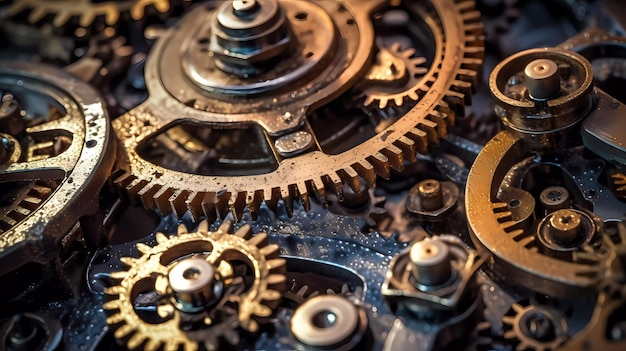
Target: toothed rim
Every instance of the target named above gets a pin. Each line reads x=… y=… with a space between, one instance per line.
x=85 y=10
x=309 y=174
x=254 y=304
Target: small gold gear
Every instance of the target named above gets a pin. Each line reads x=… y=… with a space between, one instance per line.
x=150 y=272
x=85 y=10
x=394 y=77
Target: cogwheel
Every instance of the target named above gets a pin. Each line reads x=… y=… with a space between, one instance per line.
x=619 y=184
x=203 y=285
x=537 y=328
x=394 y=77
x=85 y=10
x=300 y=167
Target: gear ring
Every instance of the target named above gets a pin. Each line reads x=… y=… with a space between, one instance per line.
x=86 y=10
x=65 y=155
x=154 y=186
x=255 y=303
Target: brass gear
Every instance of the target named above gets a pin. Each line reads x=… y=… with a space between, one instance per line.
x=526 y=324
x=220 y=248
x=459 y=54
x=394 y=78
x=85 y=10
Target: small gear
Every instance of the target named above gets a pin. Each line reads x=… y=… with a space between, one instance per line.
x=537 y=328
x=202 y=285
x=85 y=10
x=394 y=77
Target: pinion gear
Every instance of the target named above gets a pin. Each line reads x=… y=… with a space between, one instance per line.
x=309 y=172
x=394 y=78
x=85 y=10
x=250 y=274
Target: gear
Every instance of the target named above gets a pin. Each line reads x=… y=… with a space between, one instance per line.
x=85 y=10
x=202 y=284
x=537 y=328
x=394 y=77
x=57 y=157
x=300 y=169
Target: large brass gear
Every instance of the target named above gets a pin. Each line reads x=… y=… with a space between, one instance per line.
x=58 y=141
x=445 y=90
x=150 y=272
x=85 y=10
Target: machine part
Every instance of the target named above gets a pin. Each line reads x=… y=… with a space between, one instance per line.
x=287 y=178
x=198 y=287
x=554 y=198
x=394 y=78
x=432 y=200
x=533 y=327
x=601 y=131
x=85 y=10
x=434 y=278
x=541 y=93
x=508 y=232
x=329 y=322
x=58 y=164
x=31 y=331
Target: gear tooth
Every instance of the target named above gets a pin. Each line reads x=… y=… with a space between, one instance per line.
x=178 y=202
x=383 y=103
x=143 y=248
x=270 y=251
x=254 y=199
x=303 y=190
x=161 y=5
x=111 y=305
x=182 y=229
x=430 y=128
x=409 y=148
x=318 y=188
x=115 y=319
x=394 y=155
x=226 y=227
x=277 y=281
x=245 y=232
x=464 y=88
x=208 y=206
x=152 y=345
x=133 y=188
x=128 y=261
x=135 y=341
x=441 y=121
x=277 y=265
x=61 y=18
x=146 y=195
x=468 y=75
x=138 y=11
x=16 y=7
x=237 y=204
x=350 y=177
x=271 y=198
x=86 y=18
x=193 y=202
x=36 y=15
x=123 y=331
x=114 y=290
x=232 y=337
x=456 y=102
x=286 y=194
x=262 y=311
x=381 y=164
x=161 y=238
x=334 y=182
x=162 y=200
x=119 y=275
x=259 y=240
x=222 y=204
x=171 y=345
x=366 y=171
